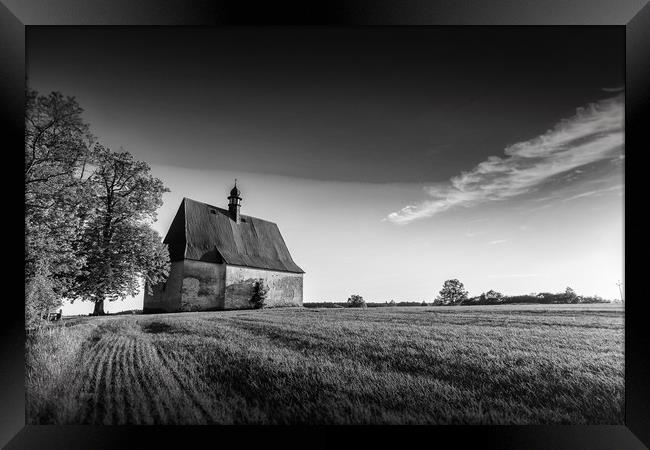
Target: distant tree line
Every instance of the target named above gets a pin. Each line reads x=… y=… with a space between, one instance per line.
x=453 y=293
x=543 y=298
x=88 y=213
x=360 y=303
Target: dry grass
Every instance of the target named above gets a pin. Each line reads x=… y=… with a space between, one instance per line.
x=471 y=365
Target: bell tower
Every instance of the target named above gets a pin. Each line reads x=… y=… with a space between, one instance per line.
x=234 y=203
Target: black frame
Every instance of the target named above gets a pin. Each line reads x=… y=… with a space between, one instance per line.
x=634 y=15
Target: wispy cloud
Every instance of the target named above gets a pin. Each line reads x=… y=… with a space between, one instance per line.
x=613 y=89
x=594 y=192
x=594 y=133
x=498 y=241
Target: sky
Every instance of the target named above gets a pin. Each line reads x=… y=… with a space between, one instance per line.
x=391 y=158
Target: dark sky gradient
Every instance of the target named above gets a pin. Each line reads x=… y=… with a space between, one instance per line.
x=379 y=152
x=402 y=104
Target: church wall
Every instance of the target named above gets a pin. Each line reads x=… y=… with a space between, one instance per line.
x=191 y=286
x=166 y=296
x=285 y=289
x=202 y=286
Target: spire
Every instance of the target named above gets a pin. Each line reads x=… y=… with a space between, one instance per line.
x=234 y=203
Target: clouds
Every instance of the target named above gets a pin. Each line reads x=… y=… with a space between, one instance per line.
x=613 y=89
x=594 y=133
x=594 y=192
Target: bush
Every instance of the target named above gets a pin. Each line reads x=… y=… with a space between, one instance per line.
x=260 y=290
x=40 y=299
x=356 y=301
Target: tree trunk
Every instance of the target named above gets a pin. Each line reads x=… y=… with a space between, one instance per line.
x=99 y=308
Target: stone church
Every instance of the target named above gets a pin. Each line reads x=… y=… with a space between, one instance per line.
x=217 y=255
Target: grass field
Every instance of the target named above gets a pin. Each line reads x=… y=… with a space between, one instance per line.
x=413 y=365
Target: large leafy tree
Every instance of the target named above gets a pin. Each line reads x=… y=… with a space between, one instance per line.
x=57 y=143
x=118 y=244
x=453 y=292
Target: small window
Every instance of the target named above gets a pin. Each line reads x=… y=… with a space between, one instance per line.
x=213 y=211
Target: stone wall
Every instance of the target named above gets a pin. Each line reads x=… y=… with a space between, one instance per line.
x=285 y=289
x=202 y=286
x=166 y=296
x=191 y=286
x=199 y=286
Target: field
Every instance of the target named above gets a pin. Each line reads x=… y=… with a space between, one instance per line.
x=408 y=365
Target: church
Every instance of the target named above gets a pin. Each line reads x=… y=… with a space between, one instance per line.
x=217 y=255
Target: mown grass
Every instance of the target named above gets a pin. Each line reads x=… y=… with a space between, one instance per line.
x=413 y=365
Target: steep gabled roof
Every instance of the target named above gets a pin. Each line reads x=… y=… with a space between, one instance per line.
x=204 y=232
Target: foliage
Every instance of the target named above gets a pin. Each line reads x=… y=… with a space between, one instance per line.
x=40 y=298
x=490 y=297
x=541 y=298
x=493 y=296
x=260 y=291
x=368 y=304
x=571 y=296
x=86 y=211
x=118 y=243
x=397 y=304
x=453 y=292
x=57 y=143
x=356 y=301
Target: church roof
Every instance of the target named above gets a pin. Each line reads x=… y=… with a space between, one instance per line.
x=204 y=232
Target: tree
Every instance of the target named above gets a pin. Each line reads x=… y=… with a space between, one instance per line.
x=57 y=143
x=391 y=303
x=260 y=290
x=492 y=296
x=118 y=243
x=453 y=292
x=424 y=303
x=356 y=301
x=571 y=296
